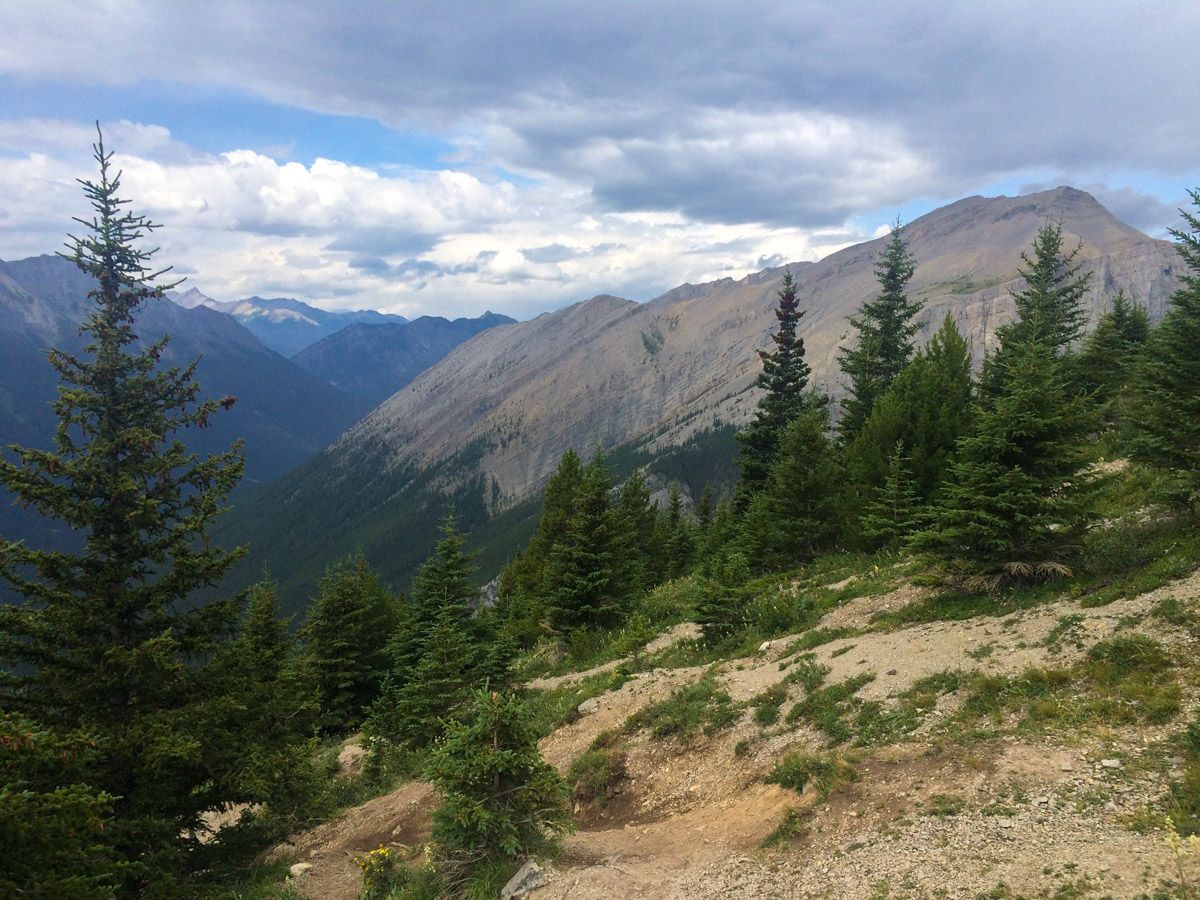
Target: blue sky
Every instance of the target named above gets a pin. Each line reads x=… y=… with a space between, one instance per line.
x=451 y=157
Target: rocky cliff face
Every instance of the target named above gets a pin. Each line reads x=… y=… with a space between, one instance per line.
x=611 y=371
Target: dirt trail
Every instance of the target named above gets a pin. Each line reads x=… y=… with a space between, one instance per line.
x=923 y=819
x=672 y=635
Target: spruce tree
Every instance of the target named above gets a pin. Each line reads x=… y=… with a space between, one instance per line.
x=345 y=638
x=678 y=536
x=783 y=380
x=885 y=336
x=793 y=517
x=109 y=639
x=1168 y=416
x=895 y=510
x=635 y=521
x=1108 y=362
x=582 y=577
x=927 y=409
x=500 y=799
x=1016 y=493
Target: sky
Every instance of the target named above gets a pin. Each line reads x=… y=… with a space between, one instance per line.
x=446 y=158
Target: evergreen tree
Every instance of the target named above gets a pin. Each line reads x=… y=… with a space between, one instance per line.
x=636 y=519
x=793 y=517
x=266 y=692
x=500 y=799
x=1049 y=310
x=1109 y=360
x=927 y=409
x=108 y=640
x=783 y=379
x=410 y=712
x=1168 y=415
x=53 y=825
x=885 y=336
x=583 y=588
x=345 y=636
x=1016 y=492
x=442 y=586
x=678 y=538
x=895 y=511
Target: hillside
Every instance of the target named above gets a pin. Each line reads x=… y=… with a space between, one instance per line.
x=486 y=425
x=283 y=413
x=991 y=755
x=372 y=361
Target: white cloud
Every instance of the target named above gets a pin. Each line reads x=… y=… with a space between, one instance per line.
x=442 y=242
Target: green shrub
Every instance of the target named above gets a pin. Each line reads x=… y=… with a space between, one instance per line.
x=791 y=826
x=766 y=705
x=798 y=770
x=500 y=799
x=595 y=773
x=827 y=708
x=700 y=706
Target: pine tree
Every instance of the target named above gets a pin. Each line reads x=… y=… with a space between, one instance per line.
x=1048 y=311
x=885 y=337
x=583 y=588
x=783 y=379
x=411 y=712
x=442 y=586
x=1168 y=415
x=500 y=799
x=1016 y=493
x=345 y=636
x=53 y=840
x=636 y=517
x=109 y=639
x=793 y=517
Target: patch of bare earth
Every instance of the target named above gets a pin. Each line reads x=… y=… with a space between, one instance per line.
x=926 y=817
x=398 y=819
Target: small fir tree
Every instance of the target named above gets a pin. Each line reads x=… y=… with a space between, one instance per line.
x=636 y=519
x=885 y=336
x=783 y=379
x=500 y=799
x=678 y=537
x=927 y=409
x=895 y=511
x=583 y=588
x=1018 y=489
x=1168 y=411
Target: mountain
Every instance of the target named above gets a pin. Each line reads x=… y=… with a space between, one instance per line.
x=284 y=414
x=286 y=326
x=484 y=427
x=373 y=361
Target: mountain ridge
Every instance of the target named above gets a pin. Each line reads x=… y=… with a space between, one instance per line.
x=485 y=427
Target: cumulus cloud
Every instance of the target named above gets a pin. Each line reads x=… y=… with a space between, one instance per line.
x=601 y=150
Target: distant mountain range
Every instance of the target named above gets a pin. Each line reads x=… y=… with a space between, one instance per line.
x=373 y=361
x=284 y=325
x=653 y=383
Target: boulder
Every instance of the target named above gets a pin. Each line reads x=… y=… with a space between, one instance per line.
x=528 y=878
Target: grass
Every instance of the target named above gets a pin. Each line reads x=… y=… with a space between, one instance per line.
x=827 y=708
x=689 y=710
x=944 y=805
x=1124 y=680
x=797 y=771
x=551 y=709
x=790 y=827
x=595 y=774
x=816 y=637
x=766 y=705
